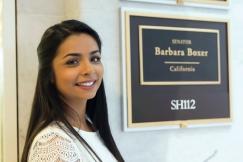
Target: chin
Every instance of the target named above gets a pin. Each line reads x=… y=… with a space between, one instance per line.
x=88 y=97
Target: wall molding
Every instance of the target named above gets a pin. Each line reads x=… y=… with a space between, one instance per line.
x=9 y=111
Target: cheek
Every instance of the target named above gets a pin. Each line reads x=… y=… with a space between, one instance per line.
x=100 y=71
x=63 y=78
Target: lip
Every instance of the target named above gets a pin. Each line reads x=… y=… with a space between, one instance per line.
x=86 y=87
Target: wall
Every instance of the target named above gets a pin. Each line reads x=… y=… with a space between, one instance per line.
x=1 y=83
x=33 y=17
x=211 y=144
x=9 y=99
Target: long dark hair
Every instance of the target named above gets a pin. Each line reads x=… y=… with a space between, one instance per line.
x=48 y=106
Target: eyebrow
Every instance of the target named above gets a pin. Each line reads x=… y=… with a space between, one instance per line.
x=79 y=54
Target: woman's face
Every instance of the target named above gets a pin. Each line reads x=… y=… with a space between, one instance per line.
x=77 y=67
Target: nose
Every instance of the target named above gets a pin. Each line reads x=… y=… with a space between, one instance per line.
x=86 y=68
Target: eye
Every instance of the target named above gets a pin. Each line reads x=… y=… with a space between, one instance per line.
x=96 y=59
x=72 y=62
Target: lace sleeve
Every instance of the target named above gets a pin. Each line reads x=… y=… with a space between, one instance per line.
x=53 y=147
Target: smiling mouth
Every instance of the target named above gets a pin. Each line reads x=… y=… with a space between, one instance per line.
x=86 y=84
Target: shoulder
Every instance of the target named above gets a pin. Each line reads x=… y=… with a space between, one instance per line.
x=53 y=144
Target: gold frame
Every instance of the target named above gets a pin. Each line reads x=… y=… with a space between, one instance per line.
x=141 y=27
x=128 y=96
x=198 y=3
x=210 y=2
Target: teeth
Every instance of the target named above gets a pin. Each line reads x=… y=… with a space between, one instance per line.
x=86 y=84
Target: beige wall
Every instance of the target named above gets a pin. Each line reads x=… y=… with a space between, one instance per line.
x=218 y=144
x=9 y=101
x=1 y=82
x=33 y=18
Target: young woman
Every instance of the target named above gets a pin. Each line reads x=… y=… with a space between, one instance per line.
x=69 y=120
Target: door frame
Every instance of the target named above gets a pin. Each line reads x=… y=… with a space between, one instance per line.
x=9 y=114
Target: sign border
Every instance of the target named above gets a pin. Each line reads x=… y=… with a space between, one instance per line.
x=217 y=4
x=177 y=82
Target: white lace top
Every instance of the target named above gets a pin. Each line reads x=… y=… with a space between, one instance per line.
x=53 y=144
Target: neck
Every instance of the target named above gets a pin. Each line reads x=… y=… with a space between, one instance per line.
x=76 y=114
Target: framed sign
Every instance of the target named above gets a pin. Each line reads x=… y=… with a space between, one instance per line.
x=220 y=4
x=175 y=70
x=217 y=2
x=172 y=2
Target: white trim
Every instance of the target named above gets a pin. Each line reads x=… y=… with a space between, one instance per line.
x=188 y=3
x=170 y=2
x=123 y=51
x=1 y=81
x=1 y=98
x=9 y=112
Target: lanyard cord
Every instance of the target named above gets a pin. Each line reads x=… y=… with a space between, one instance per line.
x=89 y=149
x=75 y=135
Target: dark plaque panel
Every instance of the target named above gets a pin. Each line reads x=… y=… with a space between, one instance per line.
x=173 y=55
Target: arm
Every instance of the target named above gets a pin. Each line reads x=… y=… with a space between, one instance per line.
x=53 y=146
